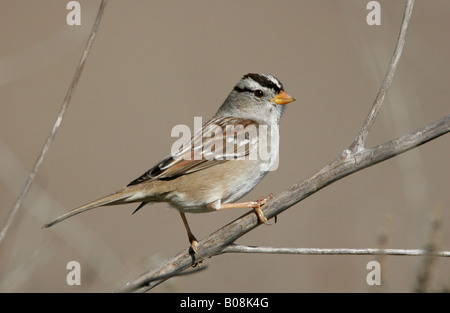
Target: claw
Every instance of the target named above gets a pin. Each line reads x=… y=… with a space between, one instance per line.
x=194 y=246
x=259 y=203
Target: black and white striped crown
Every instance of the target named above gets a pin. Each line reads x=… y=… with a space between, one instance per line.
x=251 y=82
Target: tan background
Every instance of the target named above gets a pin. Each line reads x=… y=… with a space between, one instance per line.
x=156 y=64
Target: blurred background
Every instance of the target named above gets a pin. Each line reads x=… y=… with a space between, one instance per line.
x=156 y=64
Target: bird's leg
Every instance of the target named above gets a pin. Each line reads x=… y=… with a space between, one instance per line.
x=255 y=205
x=192 y=239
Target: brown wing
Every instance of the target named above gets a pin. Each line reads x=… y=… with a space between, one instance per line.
x=219 y=141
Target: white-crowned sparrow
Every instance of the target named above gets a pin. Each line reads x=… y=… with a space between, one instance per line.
x=198 y=178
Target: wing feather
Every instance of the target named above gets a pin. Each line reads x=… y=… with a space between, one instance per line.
x=220 y=140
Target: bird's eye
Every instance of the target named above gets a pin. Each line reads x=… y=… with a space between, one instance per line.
x=259 y=93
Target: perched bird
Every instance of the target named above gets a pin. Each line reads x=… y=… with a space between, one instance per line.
x=198 y=178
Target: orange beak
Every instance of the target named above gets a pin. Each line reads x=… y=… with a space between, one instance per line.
x=282 y=98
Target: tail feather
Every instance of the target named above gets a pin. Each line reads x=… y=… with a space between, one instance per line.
x=115 y=198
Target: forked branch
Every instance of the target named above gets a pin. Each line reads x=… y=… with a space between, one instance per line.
x=355 y=158
x=347 y=163
x=370 y=119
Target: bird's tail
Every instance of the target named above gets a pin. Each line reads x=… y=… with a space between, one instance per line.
x=121 y=196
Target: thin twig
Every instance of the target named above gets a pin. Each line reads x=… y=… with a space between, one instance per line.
x=56 y=125
x=364 y=132
x=425 y=269
x=334 y=251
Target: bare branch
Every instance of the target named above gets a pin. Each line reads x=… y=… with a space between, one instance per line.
x=56 y=125
x=364 y=132
x=352 y=160
x=334 y=251
x=344 y=165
